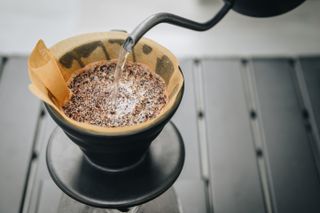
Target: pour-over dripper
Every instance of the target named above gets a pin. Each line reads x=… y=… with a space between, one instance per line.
x=118 y=147
x=114 y=167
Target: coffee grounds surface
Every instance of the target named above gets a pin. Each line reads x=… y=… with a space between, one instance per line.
x=141 y=95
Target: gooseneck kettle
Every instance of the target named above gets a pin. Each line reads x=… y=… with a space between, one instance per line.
x=254 y=8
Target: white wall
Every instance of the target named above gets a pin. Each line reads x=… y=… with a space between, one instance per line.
x=22 y=23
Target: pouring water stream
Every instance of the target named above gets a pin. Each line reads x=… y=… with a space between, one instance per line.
x=149 y=23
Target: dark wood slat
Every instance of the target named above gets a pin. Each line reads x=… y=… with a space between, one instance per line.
x=42 y=175
x=311 y=72
x=235 y=182
x=292 y=171
x=186 y=120
x=19 y=114
x=192 y=196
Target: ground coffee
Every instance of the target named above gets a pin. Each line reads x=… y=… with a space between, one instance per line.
x=141 y=95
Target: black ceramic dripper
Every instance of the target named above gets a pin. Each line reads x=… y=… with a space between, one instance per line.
x=112 y=167
x=116 y=148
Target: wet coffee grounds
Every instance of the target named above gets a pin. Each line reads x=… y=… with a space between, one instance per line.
x=141 y=95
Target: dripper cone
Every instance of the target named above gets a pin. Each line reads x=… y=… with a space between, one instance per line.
x=50 y=69
x=117 y=147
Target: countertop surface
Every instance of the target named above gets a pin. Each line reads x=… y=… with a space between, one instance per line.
x=250 y=126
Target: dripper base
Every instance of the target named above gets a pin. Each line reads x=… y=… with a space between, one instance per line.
x=88 y=184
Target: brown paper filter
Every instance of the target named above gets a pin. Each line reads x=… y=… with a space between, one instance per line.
x=50 y=69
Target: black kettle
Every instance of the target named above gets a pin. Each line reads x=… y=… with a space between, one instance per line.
x=265 y=8
x=254 y=8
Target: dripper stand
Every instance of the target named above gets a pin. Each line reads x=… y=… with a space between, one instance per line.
x=97 y=189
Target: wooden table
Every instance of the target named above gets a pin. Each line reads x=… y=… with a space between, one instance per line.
x=251 y=129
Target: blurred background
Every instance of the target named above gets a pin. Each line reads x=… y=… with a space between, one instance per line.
x=250 y=115
x=24 y=22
